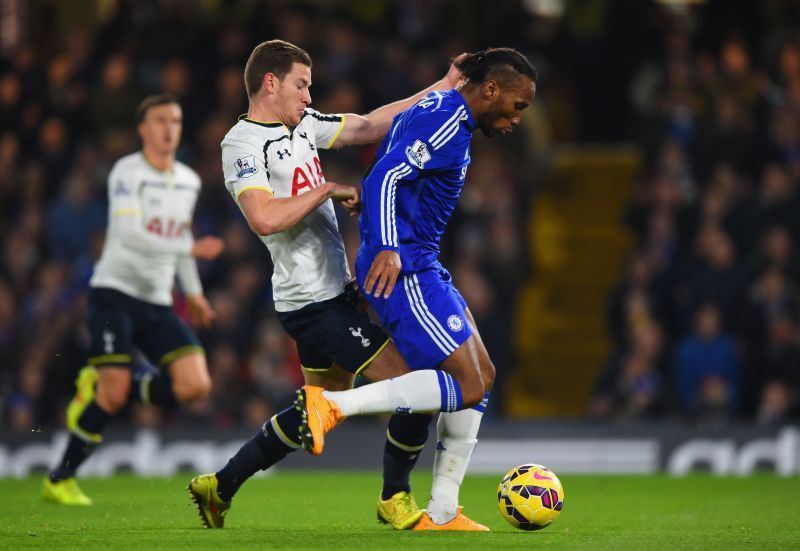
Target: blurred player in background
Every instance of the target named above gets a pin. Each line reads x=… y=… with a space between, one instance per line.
x=272 y=170
x=149 y=239
x=409 y=194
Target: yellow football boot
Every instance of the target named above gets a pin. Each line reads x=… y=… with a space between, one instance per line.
x=400 y=511
x=210 y=507
x=64 y=492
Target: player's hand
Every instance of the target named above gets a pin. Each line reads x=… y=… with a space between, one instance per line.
x=208 y=248
x=453 y=77
x=383 y=274
x=347 y=196
x=200 y=312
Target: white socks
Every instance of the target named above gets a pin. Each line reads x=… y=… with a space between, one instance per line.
x=457 y=439
x=418 y=391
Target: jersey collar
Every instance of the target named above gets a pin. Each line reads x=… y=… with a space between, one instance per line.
x=471 y=124
x=270 y=124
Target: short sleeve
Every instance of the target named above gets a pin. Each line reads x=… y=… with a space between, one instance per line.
x=243 y=168
x=326 y=128
x=432 y=142
x=123 y=191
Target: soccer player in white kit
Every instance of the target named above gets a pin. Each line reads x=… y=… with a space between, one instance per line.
x=149 y=240
x=270 y=160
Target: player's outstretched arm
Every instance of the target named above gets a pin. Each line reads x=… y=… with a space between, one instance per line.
x=360 y=129
x=267 y=215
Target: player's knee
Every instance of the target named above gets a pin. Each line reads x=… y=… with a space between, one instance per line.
x=472 y=392
x=335 y=385
x=488 y=374
x=190 y=379
x=112 y=398
x=192 y=390
x=334 y=380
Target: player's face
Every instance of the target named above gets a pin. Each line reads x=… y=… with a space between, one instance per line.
x=505 y=112
x=161 y=128
x=293 y=95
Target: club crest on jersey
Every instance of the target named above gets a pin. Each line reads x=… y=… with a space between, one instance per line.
x=455 y=323
x=418 y=154
x=245 y=166
x=120 y=189
x=305 y=137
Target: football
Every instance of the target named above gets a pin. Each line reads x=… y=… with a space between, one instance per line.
x=530 y=497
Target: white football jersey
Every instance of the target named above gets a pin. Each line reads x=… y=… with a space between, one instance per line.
x=309 y=258
x=150 y=219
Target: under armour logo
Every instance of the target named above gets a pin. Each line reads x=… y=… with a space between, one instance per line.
x=108 y=339
x=282 y=153
x=365 y=342
x=305 y=137
x=402 y=410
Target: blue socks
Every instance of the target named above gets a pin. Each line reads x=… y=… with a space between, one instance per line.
x=481 y=408
x=451 y=392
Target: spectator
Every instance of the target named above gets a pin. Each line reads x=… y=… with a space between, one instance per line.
x=114 y=101
x=715 y=276
x=707 y=369
x=73 y=218
x=274 y=364
x=631 y=386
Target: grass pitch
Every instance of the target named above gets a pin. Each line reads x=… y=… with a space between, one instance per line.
x=336 y=510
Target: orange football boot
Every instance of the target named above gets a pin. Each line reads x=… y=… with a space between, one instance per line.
x=319 y=416
x=461 y=523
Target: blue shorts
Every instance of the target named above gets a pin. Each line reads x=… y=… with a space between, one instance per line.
x=424 y=314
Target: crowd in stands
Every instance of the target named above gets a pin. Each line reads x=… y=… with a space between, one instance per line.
x=706 y=319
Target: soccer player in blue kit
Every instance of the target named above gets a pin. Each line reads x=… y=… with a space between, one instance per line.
x=409 y=194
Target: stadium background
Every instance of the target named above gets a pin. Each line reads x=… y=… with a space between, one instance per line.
x=629 y=253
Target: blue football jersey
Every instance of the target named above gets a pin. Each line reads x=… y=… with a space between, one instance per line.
x=412 y=188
